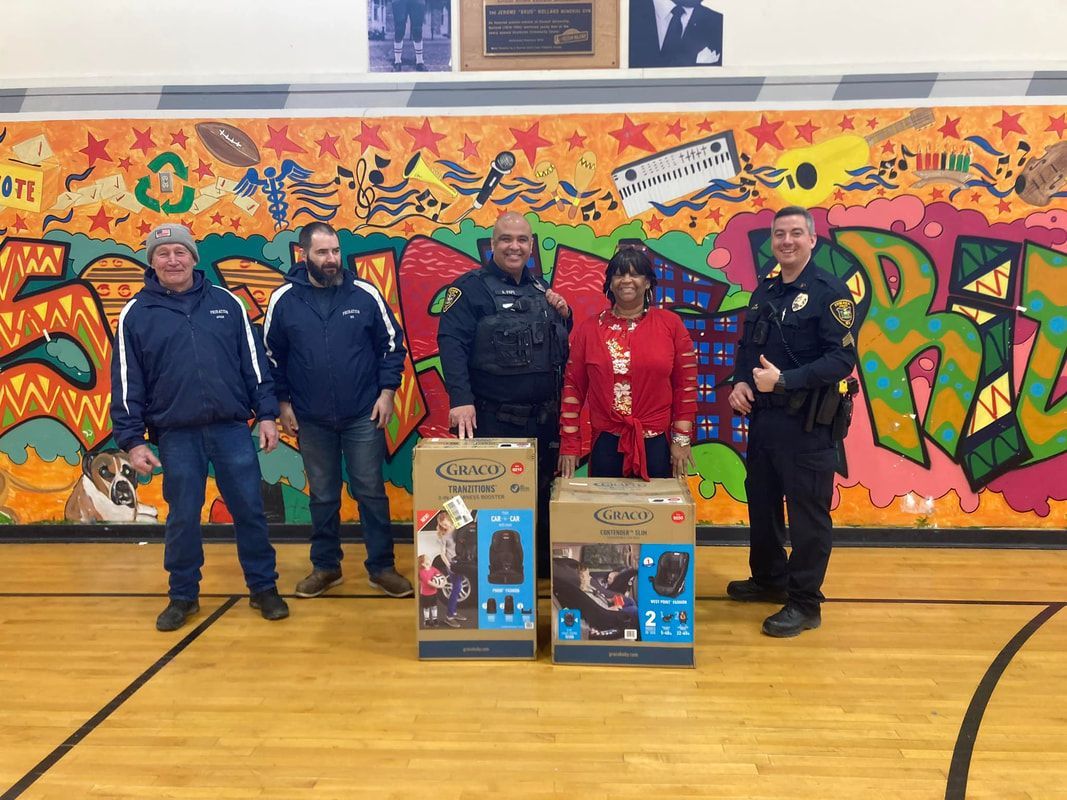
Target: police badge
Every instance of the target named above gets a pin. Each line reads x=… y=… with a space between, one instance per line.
x=800 y=301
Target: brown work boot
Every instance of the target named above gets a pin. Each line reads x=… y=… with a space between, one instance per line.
x=392 y=583
x=318 y=582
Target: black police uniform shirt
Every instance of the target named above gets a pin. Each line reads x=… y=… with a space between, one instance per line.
x=808 y=328
x=509 y=364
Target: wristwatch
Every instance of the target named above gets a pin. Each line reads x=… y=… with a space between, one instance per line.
x=779 y=385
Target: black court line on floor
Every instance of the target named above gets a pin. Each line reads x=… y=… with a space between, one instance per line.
x=960 y=766
x=72 y=741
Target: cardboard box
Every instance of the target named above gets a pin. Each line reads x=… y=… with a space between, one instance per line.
x=475 y=512
x=623 y=566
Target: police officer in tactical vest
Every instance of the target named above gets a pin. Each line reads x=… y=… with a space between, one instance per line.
x=503 y=344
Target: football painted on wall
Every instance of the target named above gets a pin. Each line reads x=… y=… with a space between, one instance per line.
x=675 y=33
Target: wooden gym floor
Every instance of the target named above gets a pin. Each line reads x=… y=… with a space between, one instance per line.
x=936 y=674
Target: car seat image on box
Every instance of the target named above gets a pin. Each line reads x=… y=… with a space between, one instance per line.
x=505 y=558
x=606 y=619
x=669 y=580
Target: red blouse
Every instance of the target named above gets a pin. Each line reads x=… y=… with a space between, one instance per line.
x=646 y=366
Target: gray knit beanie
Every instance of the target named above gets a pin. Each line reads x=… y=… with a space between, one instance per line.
x=171 y=233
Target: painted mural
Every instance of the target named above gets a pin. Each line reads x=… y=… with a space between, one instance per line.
x=949 y=225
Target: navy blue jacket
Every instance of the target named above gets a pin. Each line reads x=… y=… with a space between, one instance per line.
x=184 y=359
x=332 y=368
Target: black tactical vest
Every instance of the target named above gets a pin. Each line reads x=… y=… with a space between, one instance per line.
x=524 y=335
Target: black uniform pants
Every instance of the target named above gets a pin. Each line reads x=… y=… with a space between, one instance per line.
x=786 y=462
x=544 y=427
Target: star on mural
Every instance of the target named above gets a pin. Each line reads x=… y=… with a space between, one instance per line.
x=655 y=224
x=470 y=147
x=125 y=164
x=216 y=218
x=370 y=136
x=846 y=123
x=142 y=140
x=144 y=228
x=888 y=147
x=766 y=133
x=675 y=129
x=758 y=202
x=204 y=170
x=839 y=195
x=715 y=214
x=806 y=131
x=529 y=141
x=1003 y=206
x=1057 y=125
x=575 y=141
x=631 y=135
x=872 y=123
x=408 y=229
x=235 y=223
x=1009 y=123
x=950 y=130
x=179 y=139
x=20 y=224
x=705 y=125
x=95 y=149
x=976 y=197
x=936 y=194
x=101 y=221
x=279 y=141
x=425 y=136
x=328 y=144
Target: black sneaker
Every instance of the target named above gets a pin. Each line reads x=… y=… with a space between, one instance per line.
x=749 y=591
x=175 y=614
x=270 y=604
x=396 y=66
x=791 y=621
x=420 y=67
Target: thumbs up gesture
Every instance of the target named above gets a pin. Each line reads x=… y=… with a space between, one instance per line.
x=765 y=375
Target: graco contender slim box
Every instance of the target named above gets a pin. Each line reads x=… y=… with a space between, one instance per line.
x=622 y=572
x=474 y=508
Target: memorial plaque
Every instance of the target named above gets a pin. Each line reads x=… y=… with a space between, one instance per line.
x=538 y=29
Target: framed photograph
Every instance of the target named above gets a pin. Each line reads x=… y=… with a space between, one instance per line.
x=409 y=35
x=675 y=33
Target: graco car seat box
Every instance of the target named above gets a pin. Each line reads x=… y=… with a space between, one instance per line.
x=622 y=572
x=474 y=510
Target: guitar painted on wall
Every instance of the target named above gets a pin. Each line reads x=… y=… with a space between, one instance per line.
x=811 y=173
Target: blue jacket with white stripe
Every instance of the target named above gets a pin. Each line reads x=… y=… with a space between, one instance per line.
x=186 y=358
x=332 y=363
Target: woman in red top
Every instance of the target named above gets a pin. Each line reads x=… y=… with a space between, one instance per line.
x=635 y=368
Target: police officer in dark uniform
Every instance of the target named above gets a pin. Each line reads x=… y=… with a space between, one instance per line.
x=503 y=344
x=795 y=354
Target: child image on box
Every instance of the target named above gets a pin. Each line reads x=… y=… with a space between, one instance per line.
x=595 y=584
x=430 y=580
x=437 y=542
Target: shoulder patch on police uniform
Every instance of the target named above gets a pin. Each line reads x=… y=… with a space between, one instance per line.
x=843 y=311
x=452 y=294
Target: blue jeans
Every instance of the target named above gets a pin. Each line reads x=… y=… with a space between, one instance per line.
x=185 y=454
x=363 y=448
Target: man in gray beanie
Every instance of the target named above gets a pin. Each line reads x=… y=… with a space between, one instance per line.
x=188 y=369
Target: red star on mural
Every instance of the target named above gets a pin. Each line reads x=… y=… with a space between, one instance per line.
x=575 y=141
x=1003 y=206
x=630 y=135
x=204 y=170
x=142 y=140
x=530 y=141
x=95 y=149
x=1009 y=123
x=806 y=131
x=101 y=221
x=370 y=136
x=675 y=129
x=235 y=223
x=125 y=164
x=279 y=141
x=766 y=133
x=705 y=125
x=216 y=218
x=328 y=144
x=426 y=137
x=20 y=224
x=758 y=202
x=839 y=195
x=950 y=130
x=408 y=229
x=846 y=123
x=872 y=123
x=716 y=215
x=655 y=224
x=179 y=139
x=144 y=228
x=936 y=194
x=888 y=147
x=470 y=147
x=976 y=197
x=1057 y=124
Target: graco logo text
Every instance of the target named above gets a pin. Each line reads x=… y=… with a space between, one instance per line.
x=471 y=470
x=623 y=515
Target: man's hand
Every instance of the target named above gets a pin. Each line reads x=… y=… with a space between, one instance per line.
x=462 y=418
x=567 y=465
x=555 y=299
x=765 y=376
x=268 y=435
x=143 y=459
x=742 y=398
x=383 y=408
x=288 y=418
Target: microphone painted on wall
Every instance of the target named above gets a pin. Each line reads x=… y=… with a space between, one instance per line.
x=501 y=166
